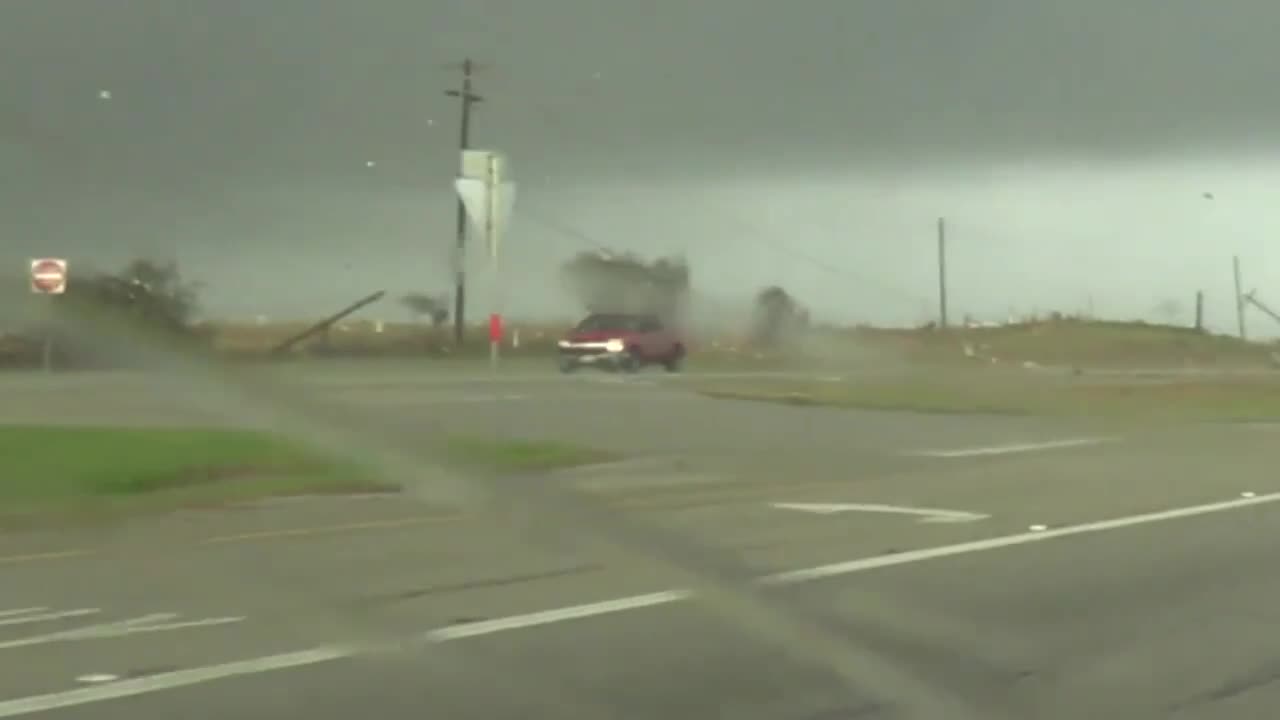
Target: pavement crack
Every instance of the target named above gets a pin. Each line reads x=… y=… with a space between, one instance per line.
x=870 y=710
x=483 y=583
x=1256 y=680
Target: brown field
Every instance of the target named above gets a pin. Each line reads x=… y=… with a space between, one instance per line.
x=1054 y=343
x=366 y=338
x=1074 y=343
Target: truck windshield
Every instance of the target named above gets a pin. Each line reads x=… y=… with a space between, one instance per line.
x=610 y=322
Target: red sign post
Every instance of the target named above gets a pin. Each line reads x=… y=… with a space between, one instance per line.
x=495 y=328
x=48 y=277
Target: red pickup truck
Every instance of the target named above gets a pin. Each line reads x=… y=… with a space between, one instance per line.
x=616 y=341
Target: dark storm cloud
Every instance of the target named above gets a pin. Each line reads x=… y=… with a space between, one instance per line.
x=238 y=137
x=268 y=87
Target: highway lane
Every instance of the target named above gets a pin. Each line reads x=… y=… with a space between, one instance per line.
x=377 y=585
x=1167 y=619
x=630 y=416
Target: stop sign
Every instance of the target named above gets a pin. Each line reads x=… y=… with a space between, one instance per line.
x=49 y=276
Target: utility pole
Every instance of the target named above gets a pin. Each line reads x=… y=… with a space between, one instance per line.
x=1252 y=299
x=467 y=98
x=1240 y=299
x=1199 y=311
x=942 y=271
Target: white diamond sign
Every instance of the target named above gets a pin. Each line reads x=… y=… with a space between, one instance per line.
x=487 y=197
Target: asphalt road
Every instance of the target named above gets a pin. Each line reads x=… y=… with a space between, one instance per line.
x=1059 y=589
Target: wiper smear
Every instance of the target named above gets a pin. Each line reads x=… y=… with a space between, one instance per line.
x=805 y=634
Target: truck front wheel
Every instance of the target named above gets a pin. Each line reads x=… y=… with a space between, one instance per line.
x=676 y=361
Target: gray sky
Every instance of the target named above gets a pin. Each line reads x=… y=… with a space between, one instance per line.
x=811 y=143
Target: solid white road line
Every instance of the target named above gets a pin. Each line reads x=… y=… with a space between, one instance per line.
x=166 y=681
x=1010 y=449
x=914 y=556
x=194 y=676
x=21 y=611
x=551 y=376
x=94 y=678
x=926 y=514
x=48 y=616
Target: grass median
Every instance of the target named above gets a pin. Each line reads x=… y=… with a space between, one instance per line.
x=92 y=472
x=1254 y=399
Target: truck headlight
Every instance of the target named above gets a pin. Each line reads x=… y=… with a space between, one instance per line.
x=614 y=346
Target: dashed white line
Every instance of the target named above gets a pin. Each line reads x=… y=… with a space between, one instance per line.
x=195 y=676
x=1011 y=449
x=427 y=400
x=546 y=617
x=156 y=622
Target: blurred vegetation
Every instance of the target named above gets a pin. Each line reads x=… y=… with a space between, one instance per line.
x=777 y=319
x=94 y=322
x=92 y=473
x=434 y=308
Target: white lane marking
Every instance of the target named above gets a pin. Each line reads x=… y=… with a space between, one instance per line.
x=194 y=676
x=48 y=616
x=483 y=398
x=546 y=617
x=147 y=623
x=929 y=515
x=623 y=381
x=1011 y=449
x=996 y=543
x=551 y=376
x=607 y=381
x=96 y=678
x=165 y=681
x=184 y=625
x=408 y=398
x=21 y=611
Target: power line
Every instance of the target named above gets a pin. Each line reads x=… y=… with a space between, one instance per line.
x=564 y=229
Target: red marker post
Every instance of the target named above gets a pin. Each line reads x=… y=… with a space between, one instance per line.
x=495 y=336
